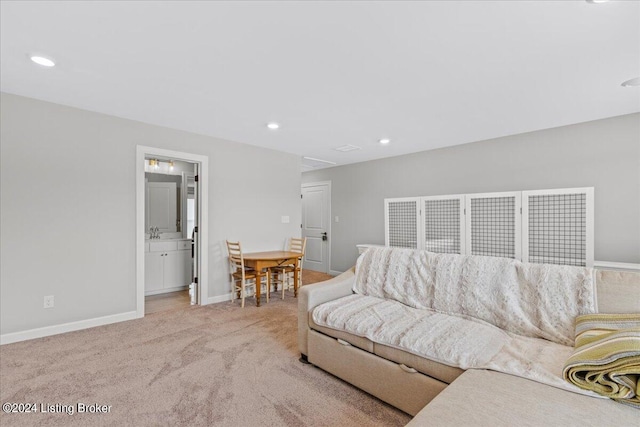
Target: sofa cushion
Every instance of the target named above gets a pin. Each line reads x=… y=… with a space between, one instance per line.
x=452 y=340
x=618 y=291
x=360 y=342
x=486 y=398
x=435 y=370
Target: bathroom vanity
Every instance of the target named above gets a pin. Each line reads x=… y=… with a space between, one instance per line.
x=167 y=265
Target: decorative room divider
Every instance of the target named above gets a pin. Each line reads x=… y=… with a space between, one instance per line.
x=542 y=226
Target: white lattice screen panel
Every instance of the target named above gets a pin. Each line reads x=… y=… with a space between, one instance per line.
x=542 y=226
x=401 y=220
x=443 y=224
x=558 y=227
x=493 y=225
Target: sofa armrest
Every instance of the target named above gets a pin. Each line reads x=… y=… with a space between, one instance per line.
x=618 y=291
x=311 y=296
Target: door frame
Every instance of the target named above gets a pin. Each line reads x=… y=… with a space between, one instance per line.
x=329 y=220
x=203 y=218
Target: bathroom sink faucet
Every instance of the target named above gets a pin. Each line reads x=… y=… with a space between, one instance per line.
x=154 y=233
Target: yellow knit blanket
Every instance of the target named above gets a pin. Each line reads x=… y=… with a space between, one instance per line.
x=606 y=358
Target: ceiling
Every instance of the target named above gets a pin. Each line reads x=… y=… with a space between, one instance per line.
x=424 y=74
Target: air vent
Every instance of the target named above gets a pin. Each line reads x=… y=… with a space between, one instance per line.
x=346 y=148
x=316 y=163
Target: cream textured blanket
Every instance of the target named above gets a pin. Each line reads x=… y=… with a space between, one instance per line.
x=531 y=300
x=452 y=340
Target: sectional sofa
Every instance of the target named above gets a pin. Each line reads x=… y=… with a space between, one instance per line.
x=457 y=340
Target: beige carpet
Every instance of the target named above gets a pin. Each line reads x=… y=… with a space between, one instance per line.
x=214 y=365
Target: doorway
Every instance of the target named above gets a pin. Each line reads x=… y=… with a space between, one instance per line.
x=316 y=225
x=169 y=251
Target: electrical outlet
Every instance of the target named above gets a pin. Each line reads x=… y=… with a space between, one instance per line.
x=48 y=301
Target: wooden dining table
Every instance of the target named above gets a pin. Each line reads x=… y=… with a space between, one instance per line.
x=262 y=260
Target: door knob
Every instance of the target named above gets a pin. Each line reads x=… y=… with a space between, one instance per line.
x=324 y=236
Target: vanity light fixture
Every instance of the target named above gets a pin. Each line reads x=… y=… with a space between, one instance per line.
x=273 y=125
x=41 y=60
x=384 y=141
x=631 y=82
x=154 y=163
x=170 y=165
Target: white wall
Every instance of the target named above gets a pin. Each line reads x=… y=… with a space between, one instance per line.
x=604 y=154
x=68 y=208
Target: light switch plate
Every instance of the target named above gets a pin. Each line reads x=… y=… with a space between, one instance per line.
x=284 y=219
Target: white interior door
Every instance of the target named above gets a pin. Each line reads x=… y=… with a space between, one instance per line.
x=316 y=221
x=196 y=295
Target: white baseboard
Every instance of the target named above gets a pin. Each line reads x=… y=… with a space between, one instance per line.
x=335 y=272
x=165 y=291
x=65 y=327
x=617 y=265
x=219 y=298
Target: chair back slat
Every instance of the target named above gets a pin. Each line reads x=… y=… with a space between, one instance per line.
x=235 y=255
x=242 y=278
x=297 y=245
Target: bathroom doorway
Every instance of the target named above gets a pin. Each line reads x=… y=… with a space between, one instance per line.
x=171 y=220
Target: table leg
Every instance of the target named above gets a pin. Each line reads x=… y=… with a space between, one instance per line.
x=295 y=279
x=268 y=283
x=258 y=285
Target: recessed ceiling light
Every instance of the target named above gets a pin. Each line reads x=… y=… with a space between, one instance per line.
x=41 y=60
x=273 y=125
x=385 y=141
x=632 y=82
x=597 y=1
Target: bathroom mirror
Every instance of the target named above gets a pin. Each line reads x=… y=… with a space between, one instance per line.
x=166 y=198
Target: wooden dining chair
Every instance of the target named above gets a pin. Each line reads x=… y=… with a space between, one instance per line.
x=283 y=275
x=241 y=276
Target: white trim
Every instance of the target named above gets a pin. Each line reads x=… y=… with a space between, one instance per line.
x=617 y=265
x=65 y=327
x=335 y=272
x=590 y=225
x=166 y=291
x=330 y=216
x=203 y=226
x=219 y=298
x=184 y=195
